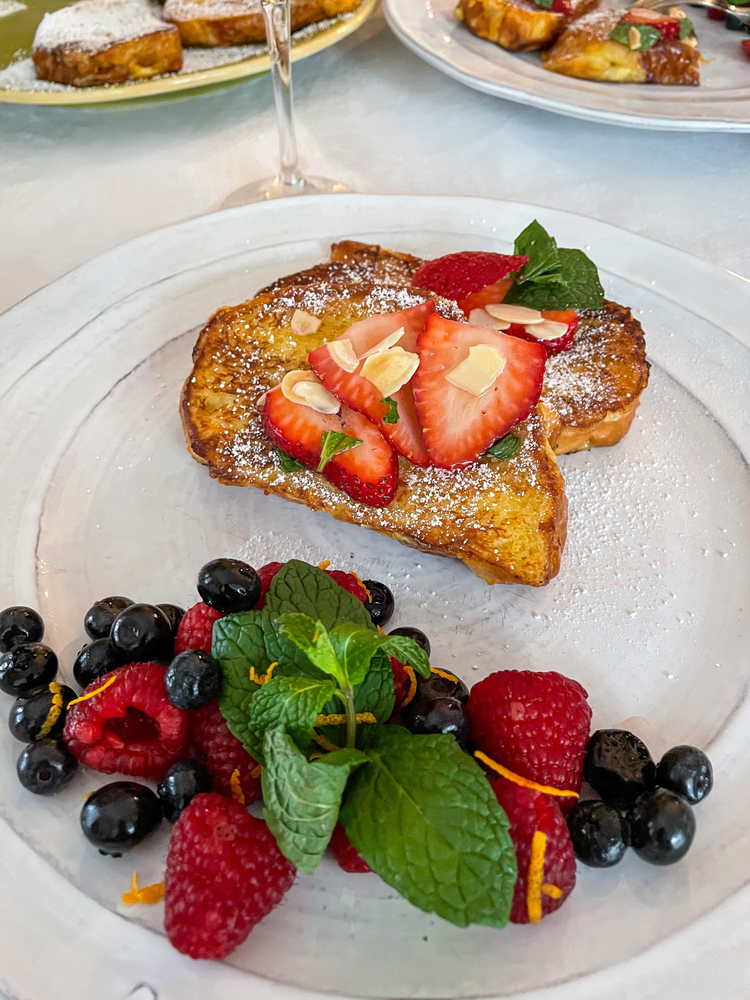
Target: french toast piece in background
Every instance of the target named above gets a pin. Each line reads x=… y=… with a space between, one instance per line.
x=211 y=23
x=518 y=25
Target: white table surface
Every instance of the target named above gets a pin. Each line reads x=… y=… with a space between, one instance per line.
x=75 y=182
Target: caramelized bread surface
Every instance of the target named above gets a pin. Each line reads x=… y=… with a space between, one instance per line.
x=211 y=23
x=517 y=25
x=592 y=390
x=505 y=520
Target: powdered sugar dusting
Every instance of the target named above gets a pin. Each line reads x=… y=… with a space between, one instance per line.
x=94 y=25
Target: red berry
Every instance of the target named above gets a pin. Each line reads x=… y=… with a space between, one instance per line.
x=535 y=724
x=530 y=812
x=266 y=574
x=459 y=274
x=131 y=727
x=401 y=681
x=745 y=46
x=714 y=14
x=196 y=628
x=223 y=754
x=224 y=874
x=668 y=26
x=346 y=853
x=349 y=582
x=490 y=294
x=563 y=7
x=568 y=318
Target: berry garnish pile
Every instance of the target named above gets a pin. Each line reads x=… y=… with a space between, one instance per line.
x=431 y=390
x=282 y=684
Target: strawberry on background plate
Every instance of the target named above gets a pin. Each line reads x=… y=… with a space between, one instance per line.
x=458 y=426
x=668 y=26
x=362 y=395
x=459 y=275
x=368 y=472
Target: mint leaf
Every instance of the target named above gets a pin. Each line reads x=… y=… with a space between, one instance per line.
x=238 y=643
x=544 y=3
x=541 y=249
x=391 y=416
x=290 y=703
x=332 y=443
x=345 y=758
x=355 y=648
x=289 y=464
x=580 y=288
x=505 y=447
x=649 y=36
x=308 y=590
x=687 y=29
x=375 y=694
x=313 y=639
x=302 y=798
x=406 y=650
x=425 y=818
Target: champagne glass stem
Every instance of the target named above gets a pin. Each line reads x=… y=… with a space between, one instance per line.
x=277 y=21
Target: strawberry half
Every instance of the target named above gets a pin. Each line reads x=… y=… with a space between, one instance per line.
x=367 y=472
x=457 y=425
x=561 y=343
x=360 y=394
x=489 y=295
x=458 y=275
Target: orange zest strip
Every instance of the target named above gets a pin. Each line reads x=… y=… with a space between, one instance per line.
x=443 y=673
x=236 y=788
x=325 y=564
x=256 y=771
x=369 y=595
x=525 y=782
x=535 y=876
x=54 y=711
x=326 y=744
x=412 y=685
x=92 y=694
x=340 y=720
x=149 y=894
x=262 y=678
x=553 y=891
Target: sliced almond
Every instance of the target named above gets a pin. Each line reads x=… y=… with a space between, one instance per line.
x=343 y=354
x=676 y=12
x=548 y=330
x=634 y=38
x=385 y=343
x=306 y=389
x=515 y=314
x=304 y=323
x=390 y=369
x=478 y=371
x=480 y=317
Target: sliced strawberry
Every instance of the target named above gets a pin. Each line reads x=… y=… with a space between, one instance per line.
x=457 y=425
x=457 y=275
x=562 y=7
x=368 y=472
x=745 y=46
x=561 y=343
x=360 y=394
x=668 y=26
x=489 y=295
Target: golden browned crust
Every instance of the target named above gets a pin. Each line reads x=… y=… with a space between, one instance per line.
x=585 y=51
x=505 y=520
x=135 y=59
x=517 y=25
x=354 y=262
x=215 y=28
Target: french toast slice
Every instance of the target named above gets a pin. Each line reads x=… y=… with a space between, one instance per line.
x=97 y=42
x=591 y=390
x=211 y=23
x=518 y=25
x=506 y=520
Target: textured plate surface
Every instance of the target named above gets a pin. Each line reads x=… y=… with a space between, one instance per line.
x=649 y=611
x=720 y=104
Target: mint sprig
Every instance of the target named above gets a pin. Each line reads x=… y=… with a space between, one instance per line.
x=648 y=35
x=505 y=448
x=293 y=703
x=287 y=463
x=391 y=417
x=555 y=277
x=333 y=443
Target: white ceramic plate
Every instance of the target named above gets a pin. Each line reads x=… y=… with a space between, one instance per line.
x=649 y=611
x=720 y=104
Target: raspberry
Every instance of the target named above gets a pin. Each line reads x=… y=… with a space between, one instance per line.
x=266 y=574
x=401 y=681
x=224 y=874
x=131 y=727
x=346 y=853
x=459 y=274
x=530 y=811
x=195 y=631
x=349 y=582
x=223 y=754
x=535 y=724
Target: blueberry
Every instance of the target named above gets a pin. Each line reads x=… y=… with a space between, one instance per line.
x=618 y=765
x=662 y=827
x=42 y=715
x=100 y=616
x=441 y=685
x=19 y=625
x=733 y=23
x=413 y=633
x=441 y=715
x=229 y=585
x=174 y=614
x=599 y=832
x=182 y=782
x=380 y=602
x=26 y=668
x=193 y=679
x=687 y=771
x=120 y=815
x=45 y=767
x=142 y=633
x=94 y=660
